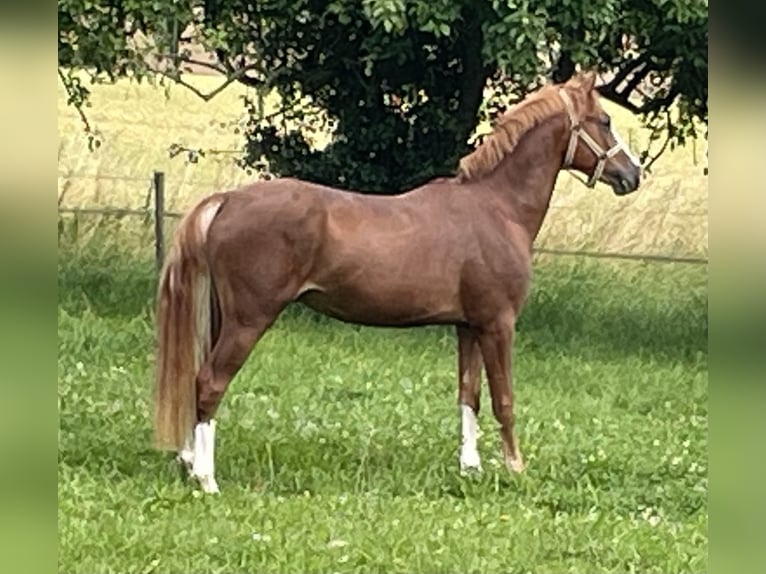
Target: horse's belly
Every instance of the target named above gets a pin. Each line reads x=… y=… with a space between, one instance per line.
x=383 y=308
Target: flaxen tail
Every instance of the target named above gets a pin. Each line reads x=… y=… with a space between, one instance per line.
x=183 y=326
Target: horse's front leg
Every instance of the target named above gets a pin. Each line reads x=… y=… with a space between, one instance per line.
x=496 y=342
x=469 y=391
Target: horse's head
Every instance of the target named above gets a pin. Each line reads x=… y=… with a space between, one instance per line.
x=595 y=148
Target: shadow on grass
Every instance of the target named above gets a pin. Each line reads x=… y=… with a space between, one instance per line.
x=627 y=308
x=279 y=464
x=98 y=454
x=593 y=308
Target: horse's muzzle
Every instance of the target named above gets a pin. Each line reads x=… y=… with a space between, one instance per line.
x=625 y=180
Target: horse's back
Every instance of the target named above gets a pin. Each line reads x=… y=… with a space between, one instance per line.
x=290 y=201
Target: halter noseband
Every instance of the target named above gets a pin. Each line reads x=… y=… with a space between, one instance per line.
x=579 y=133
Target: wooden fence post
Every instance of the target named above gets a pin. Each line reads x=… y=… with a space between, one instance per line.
x=159 y=218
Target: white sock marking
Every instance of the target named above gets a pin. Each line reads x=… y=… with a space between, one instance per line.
x=203 y=466
x=186 y=454
x=469 y=454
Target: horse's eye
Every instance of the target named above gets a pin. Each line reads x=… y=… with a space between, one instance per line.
x=607 y=121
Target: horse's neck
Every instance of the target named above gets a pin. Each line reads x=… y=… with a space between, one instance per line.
x=527 y=176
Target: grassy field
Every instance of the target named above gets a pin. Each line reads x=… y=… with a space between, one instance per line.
x=337 y=445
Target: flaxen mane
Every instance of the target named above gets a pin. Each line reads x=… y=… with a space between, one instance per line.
x=509 y=130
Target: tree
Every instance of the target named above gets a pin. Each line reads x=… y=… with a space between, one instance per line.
x=400 y=82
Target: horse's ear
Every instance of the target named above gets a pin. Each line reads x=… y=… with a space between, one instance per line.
x=584 y=81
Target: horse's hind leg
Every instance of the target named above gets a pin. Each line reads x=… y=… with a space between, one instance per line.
x=469 y=390
x=230 y=352
x=186 y=454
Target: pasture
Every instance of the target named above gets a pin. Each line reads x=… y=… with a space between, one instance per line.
x=337 y=445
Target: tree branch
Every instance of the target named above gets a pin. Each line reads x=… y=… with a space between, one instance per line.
x=194 y=62
x=637 y=78
x=231 y=69
x=77 y=104
x=656 y=104
x=634 y=66
x=235 y=76
x=223 y=57
x=669 y=131
x=608 y=93
x=640 y=68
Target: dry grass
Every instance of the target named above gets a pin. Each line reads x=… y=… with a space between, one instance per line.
x=139 y=123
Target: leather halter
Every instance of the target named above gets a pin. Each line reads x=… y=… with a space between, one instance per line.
x=578 y=133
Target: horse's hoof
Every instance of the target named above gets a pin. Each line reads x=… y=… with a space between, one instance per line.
x=208 y=485
x=469 y=461
x=515 y=465
x=186 y=465
x=465 y=470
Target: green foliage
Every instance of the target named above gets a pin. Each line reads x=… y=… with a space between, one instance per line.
x=400 y=83
x=337 y=445
x=394 y=82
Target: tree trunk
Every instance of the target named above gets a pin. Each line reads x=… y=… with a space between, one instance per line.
x=565 y=68
x=474 y=78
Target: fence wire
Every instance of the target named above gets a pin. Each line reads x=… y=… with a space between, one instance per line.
x=149 y=210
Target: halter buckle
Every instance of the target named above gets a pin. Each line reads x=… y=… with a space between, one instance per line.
x=577 y=133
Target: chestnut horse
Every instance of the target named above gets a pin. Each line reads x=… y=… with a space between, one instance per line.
x=455 y=251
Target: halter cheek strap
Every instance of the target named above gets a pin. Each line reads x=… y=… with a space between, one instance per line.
x=578 y=133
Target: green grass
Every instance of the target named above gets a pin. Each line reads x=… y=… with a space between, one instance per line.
x=337 y=445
